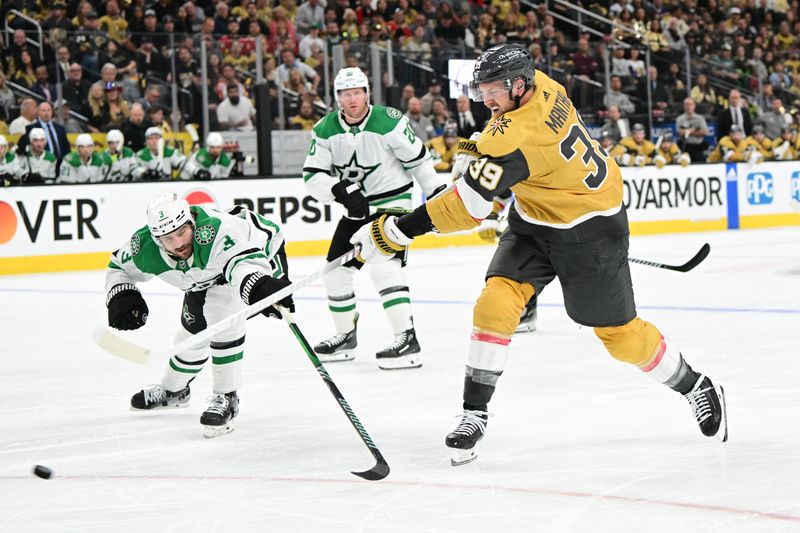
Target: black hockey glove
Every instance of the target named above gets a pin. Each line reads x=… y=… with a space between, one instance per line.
x=33 y=177
x=202 y=174
x=257 y=286
x=151 y=174
x=6 y=180
x=126 y=307
x=349 y=195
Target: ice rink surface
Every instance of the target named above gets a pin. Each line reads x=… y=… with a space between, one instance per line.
x=579 y=441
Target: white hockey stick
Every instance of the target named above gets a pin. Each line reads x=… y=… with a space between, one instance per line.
x=109 y=339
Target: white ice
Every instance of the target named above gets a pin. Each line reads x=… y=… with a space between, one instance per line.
x=579 y=441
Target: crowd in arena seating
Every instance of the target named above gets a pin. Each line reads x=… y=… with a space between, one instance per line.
x=698 y=70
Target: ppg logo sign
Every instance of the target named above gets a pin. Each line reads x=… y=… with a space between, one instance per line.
x=796 y=186
x=760 y=188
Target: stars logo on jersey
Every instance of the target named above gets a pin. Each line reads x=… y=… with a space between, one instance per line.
x=499 y=125
x=393 y=113
x=354 y=171
x=205 y=234
x=136 y=244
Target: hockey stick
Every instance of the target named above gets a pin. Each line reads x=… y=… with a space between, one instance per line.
x=381 y=468
x=686 y=267
x=109 y=340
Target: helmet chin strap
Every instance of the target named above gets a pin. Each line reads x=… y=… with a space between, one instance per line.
x=519 y=97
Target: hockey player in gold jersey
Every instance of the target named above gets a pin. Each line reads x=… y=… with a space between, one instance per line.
x=784 y=148
x=634 y=150
x=730 y=149
x=758 y=148
x=568 y=220
x=668 y=153
x=444 y=147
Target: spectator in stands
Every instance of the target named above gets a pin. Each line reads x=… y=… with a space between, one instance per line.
x=434 y=93
x=775 y=119
x=756 y=64
x=108 y=74
x=306 y=118
x=75 y=89
x=97 y=107
x=674 y=36
x=149 y=61
x=736 y=113
x=228 y=77
x=440 y=116
x=71 y=124
x=117 y=108
x=25 y=75
x=113 y=23
x=235 y=113
x=636 y=65
x=290 y=62
x=90 y=40
x=27 y=115
x=616 y=97
x=312 y=38
x=421 y=124
x=416 y=48
x=620 y=66
x=58 y=19
x=703 y=94
x=764 y=98
x=448 y=32
x=465 y=121
x=406 y=95
x=660 y=95
x=779 y=78
x=43 y=87
x=185 y=66
x=654 y=38
x=152 y=96
x=135 y=127
x=615 y=126
x=310 y=13
x=59 y=72
x=692 y=130
x=7 y=98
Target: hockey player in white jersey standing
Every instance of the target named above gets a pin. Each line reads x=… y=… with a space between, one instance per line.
x=222 y=261
x=364 y=156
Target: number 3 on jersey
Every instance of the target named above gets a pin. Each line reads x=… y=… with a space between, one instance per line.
x=488 y=174
x=593 y=152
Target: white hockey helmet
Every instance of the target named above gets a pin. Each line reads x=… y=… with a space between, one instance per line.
x=350 y=78
x=214 y=139
x=167 y=213
x=115 y=136
x=3 y=140
x=153 y=130
x=84 y=139
x=37 y=134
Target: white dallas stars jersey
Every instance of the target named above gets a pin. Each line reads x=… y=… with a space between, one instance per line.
x=122 y=164
x=381 y=154
x=10 y=165
x=44 y=164
x=227 y=247
x=147 y=160
x=202 y=159
x=75 y=170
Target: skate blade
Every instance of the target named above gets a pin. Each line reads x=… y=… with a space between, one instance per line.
x=400 y=363
x=722 y=434
x=461 y=457
x=210 y=432
x=346 y=355
x=161 y=408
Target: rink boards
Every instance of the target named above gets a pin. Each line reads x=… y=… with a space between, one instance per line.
x=59 y=228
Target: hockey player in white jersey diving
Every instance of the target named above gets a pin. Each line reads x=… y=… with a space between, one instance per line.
x=222 y=261
x=364 y=156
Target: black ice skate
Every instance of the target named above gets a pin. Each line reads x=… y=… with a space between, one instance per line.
x=708 y=405
x=464 y=439
x=157 y=397
x=218 y=418
x=527 y=322
x=340 y=347
x=404 y=352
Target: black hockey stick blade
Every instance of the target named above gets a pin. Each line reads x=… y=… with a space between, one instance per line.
x=698 y=258
x=377 y=472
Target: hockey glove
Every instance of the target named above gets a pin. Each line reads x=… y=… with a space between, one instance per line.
x=33 y=177
x=126 y=307
x=202 y=174
x=379 y=240
x=349 y=195
x=151 y=174
x=257 y=286
x=489 y=228
x=6 y=180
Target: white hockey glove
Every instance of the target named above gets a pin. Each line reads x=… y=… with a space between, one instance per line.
x=379 y=240
x=684 y=160
x=489 y=228
x=640 y=160
x=781 y=151
x=625 y=159
x=659 y=161
x=728 y=155
x=755 y=158
x=467 y=153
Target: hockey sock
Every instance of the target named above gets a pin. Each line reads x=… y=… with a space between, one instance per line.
x=667 y=366
x=227 y=360
x=479 y=386
x=341 y=298
x=390 y=282
x=184 y=367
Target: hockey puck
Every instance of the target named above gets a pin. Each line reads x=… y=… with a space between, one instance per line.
x=42 y=471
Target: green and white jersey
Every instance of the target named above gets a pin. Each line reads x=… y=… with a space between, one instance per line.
x=202 y=160
x=146 y=160
x=10 y=164
x=122 y=164
x=227 y=247
x=44 y=164
x=74 y=170
x=381 y=154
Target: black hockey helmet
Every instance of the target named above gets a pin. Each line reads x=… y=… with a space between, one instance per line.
x=505 y=62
